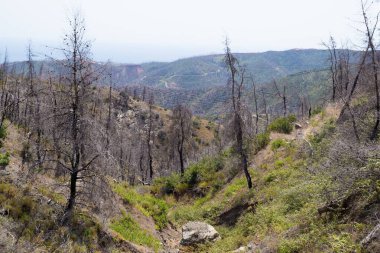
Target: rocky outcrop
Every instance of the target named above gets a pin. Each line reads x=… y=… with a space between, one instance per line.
x=372 y=241
x=195 y=232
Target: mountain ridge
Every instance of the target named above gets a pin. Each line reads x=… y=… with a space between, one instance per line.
x=203 y=71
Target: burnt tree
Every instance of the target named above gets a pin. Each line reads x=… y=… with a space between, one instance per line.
x=236 y=85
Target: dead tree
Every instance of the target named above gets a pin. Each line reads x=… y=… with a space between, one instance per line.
x=4 y=97
x=256 y=106
x=181 y=133
x=282 y=96
x=359 y=71
x=343 y=76
x=370 y=30
x=32 y=111
x=331 y=47
x=75 y=157
x=236 y=85
x=149 y=138
x=108 y=123
x=144 y=94
x=265 y=109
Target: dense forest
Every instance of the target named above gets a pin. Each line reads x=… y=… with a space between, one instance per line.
x=268 y=152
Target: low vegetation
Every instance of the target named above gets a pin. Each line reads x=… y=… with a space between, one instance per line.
x=131 y=231
x=146 y=203
x=4 y=159
x=282 y=124
x=260 y=141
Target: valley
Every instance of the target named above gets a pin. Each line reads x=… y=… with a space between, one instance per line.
x=249 y=148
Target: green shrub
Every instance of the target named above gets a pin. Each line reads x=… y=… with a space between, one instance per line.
x=260 y=141
x=4 y=159
x=203 y=176
x=279 y=164
x=294 y=201
x=131 y=231
x=3 y=132
x=283 y=124
x=170 y=183
x=276 y=144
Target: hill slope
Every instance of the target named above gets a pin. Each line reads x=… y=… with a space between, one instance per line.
x=208 y=71
x=196 y=72
x=211 y=102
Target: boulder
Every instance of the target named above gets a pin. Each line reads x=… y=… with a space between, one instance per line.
x=297 y=125
x=372 y=241
x=195 y=232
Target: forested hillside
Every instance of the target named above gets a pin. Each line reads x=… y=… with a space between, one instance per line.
x=305 y=87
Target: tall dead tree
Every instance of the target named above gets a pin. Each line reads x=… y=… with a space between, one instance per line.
x=79 y=76
x=144 y=94
x=108 y=123
x=181 y=133
x=256 y=106
x=282 y=96
x=32 y=111
x=4 y=97
x=265 y=109
x=370 y=31
x=149 y=137
x=343 y=76
x=331 y=47
x=236 y=85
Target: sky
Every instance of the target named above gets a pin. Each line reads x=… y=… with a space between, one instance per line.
x=135 y=31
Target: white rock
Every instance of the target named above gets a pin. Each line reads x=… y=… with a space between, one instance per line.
x=198 y=232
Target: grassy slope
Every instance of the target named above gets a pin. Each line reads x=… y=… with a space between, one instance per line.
x=286 y=196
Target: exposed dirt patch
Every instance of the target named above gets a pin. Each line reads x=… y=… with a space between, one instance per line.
x=231 y=216
x=170 y=238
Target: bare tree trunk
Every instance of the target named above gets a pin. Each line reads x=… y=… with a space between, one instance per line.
x=256 y=108
x=265 y=110
x=331 y=46
x=181 y=160
x=282 y=96
x=370 y=33
x=149 y=139
x=108 y=125
x=240 y=149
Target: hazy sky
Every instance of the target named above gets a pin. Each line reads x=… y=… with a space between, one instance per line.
x=135 y=31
